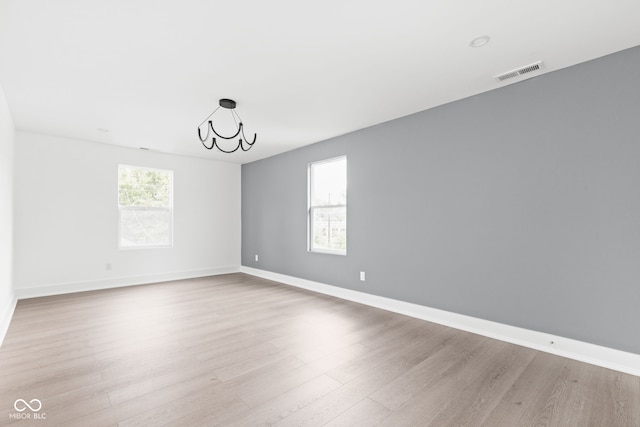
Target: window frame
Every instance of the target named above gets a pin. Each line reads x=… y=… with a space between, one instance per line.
x=311 y=208
x=122 y=208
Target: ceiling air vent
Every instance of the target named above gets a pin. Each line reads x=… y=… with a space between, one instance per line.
x=520 y=71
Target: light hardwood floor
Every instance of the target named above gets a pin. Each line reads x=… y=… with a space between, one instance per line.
x=235 y=350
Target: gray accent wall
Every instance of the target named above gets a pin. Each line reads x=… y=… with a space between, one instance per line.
x=520 y=205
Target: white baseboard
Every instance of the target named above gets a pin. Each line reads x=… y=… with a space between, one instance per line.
x=584 y=352
x=6 y=313
x=118 y=282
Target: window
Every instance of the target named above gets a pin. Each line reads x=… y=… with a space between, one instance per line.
x=328 y=206
x=145 y=201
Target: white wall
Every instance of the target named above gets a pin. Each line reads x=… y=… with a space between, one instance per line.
x=7 y=300
x=66 y=223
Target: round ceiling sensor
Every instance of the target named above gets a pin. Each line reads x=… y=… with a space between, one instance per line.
x=479 y=41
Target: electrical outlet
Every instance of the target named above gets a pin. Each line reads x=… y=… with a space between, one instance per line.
x=107 y=266
x=362 y=276
x=256 y=257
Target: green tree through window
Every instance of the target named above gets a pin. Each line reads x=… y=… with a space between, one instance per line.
x=146 y=206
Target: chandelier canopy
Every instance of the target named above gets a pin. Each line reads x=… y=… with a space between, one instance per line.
x=243 y=143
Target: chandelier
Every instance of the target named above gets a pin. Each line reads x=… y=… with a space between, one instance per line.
x=243 y=143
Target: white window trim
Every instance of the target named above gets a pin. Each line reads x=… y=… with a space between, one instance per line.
x=145 y=208
x=310 y=208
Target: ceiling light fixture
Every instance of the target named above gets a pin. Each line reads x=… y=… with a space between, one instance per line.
x=230 y=105
x=479 y=41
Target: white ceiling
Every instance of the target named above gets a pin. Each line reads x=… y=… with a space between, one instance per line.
x=301 y=72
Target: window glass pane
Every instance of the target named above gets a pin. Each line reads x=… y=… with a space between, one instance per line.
x=140 y=227
x=329 y=182
x=329 y=229
x=146 y=207
x=328 y=206
x=144 y=187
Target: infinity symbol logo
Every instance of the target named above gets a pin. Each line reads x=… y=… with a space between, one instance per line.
x=37 y=405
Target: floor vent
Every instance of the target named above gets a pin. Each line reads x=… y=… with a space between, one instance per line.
x=520 y=71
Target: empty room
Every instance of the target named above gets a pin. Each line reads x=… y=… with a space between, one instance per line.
x=338 y=213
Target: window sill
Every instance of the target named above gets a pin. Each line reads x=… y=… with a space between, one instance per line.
x=327 y=252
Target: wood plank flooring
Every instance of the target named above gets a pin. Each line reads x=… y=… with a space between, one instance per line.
x=235 y=350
